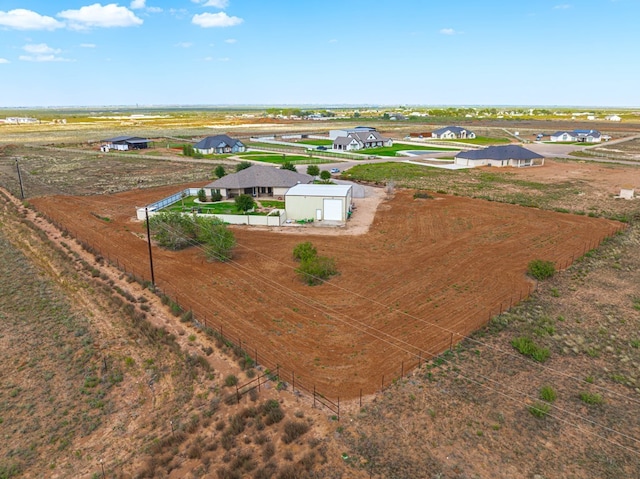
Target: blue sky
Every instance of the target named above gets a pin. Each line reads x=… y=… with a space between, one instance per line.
x=329 y=52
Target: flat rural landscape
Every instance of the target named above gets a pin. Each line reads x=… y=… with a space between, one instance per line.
x=433 y=351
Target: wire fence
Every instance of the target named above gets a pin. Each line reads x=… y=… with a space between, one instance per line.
x=285 y=375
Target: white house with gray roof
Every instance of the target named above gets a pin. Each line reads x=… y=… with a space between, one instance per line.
x=258 y=181
x=587 y=136
x=504 y=155
x=219 y=144
x=360 y=140
x=453 y=133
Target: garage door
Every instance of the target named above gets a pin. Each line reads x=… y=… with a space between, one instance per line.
x=333 y=210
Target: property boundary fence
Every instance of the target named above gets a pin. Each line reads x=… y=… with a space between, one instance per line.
x=303 y=383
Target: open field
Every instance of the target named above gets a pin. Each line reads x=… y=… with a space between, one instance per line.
x=468 y=413
x=438 y=269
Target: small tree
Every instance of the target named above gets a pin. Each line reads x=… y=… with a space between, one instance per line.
x=218 y=241
x=304 y=251
x=219 y=171
x=187 y=150
x=202 y=196
x=313 y=170
x=244 y=203
x=243 y=165
x=172 y=230
x=287 y=165
x=216 y=195
x=313 y=269
x=325 y=175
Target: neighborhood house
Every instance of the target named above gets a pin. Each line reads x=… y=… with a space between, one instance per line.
x=219 y=144
x=588 y=136
x=358 y=138
x=319 y=202
x=125 y=143
x=452 y=133
x=258 y=181
x=507 y=155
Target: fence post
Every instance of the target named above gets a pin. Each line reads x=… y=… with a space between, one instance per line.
x=293 y=381
x=401 y=369
x=451 y=339
x=360 y=397
x=383 y=381
x=338 y=408
x=314 y=396
x=256 y=350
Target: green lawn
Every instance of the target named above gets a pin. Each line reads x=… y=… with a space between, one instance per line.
x=219 y=208
x=317 y=142
x=392 y=150
x=482 y=140
x=271 y=204
x=278 y=158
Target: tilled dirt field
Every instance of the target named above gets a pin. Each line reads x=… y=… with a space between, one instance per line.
x=426 y=274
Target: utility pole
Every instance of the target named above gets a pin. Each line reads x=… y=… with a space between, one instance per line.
x=20 y=180
x=153 y=279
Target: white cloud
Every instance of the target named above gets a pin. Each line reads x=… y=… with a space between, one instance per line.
x=448 y=31
x=41 y=52
x=97 y=15
x=40 y=48
x=154 y=10
x=137 y=4
x=224 y=59
x=43 y=58
x=215 y=20
x=221 y=4
x=184 y=44
x=564 y=6
x=230 y=40
x=88 y=45
x=333 y=40
x=21 y=19
x=4 y=60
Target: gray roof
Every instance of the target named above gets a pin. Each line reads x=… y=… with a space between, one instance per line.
x=218 y=141
x=364 y=135
x=579 y=133
x=343 y=140
x=505 y=152
x=258 y=175
x=126 y=139
x=455 y=129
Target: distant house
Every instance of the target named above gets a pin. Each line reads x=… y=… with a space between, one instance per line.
x=613 y=118
x=258 y=181
x=588 y=136
x=360 y=140
x=20 y=120
x=452 y=133
x=219 y=144
x=125 y=143
x=506 y=155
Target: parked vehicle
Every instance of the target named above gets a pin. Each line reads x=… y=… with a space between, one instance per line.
x=334 y=170
x=322 y=148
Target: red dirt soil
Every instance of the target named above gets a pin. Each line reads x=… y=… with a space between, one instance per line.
x=428 y=273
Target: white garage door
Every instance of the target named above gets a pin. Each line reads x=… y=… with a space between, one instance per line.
x=333 y=210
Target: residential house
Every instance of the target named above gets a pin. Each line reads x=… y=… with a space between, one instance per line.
x=613 y=118
x=258 y=181
x=452 y=133
x=587 y=136
x=505 y=155
x=125 y=143
x=219 y=144
x=360 y=140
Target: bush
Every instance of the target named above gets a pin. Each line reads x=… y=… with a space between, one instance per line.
x=219 y=171
x=591 y=399
x=173 y=230
x=539 y=409
x=202 y=196
x=540 y=269
x=230 y=380
x=304 y=251
x=243 y=165
x=325 y=175
x=527 y=347
x=217 y=239
x=216 y=196
x=188 y=150
x=317 y=269
x=548 y=394
x=293 y=430
x=313 y=170
x=287 y=165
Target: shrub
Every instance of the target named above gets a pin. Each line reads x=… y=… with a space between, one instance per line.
x=591 y=399
x=287 y=165
x=325 y=175
x=548 y=394
x=313 y=170
x=316 y=270
x=540 y=269
x=304 y=251
x=243 y=165
x=219 y=171
x=216 y=196
x=230 y=380
x=173 y=230
x=202 y=196
x=188 y=150
x=539 y=409
x=293 y=430
x=527 y=347
x=218 y=241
